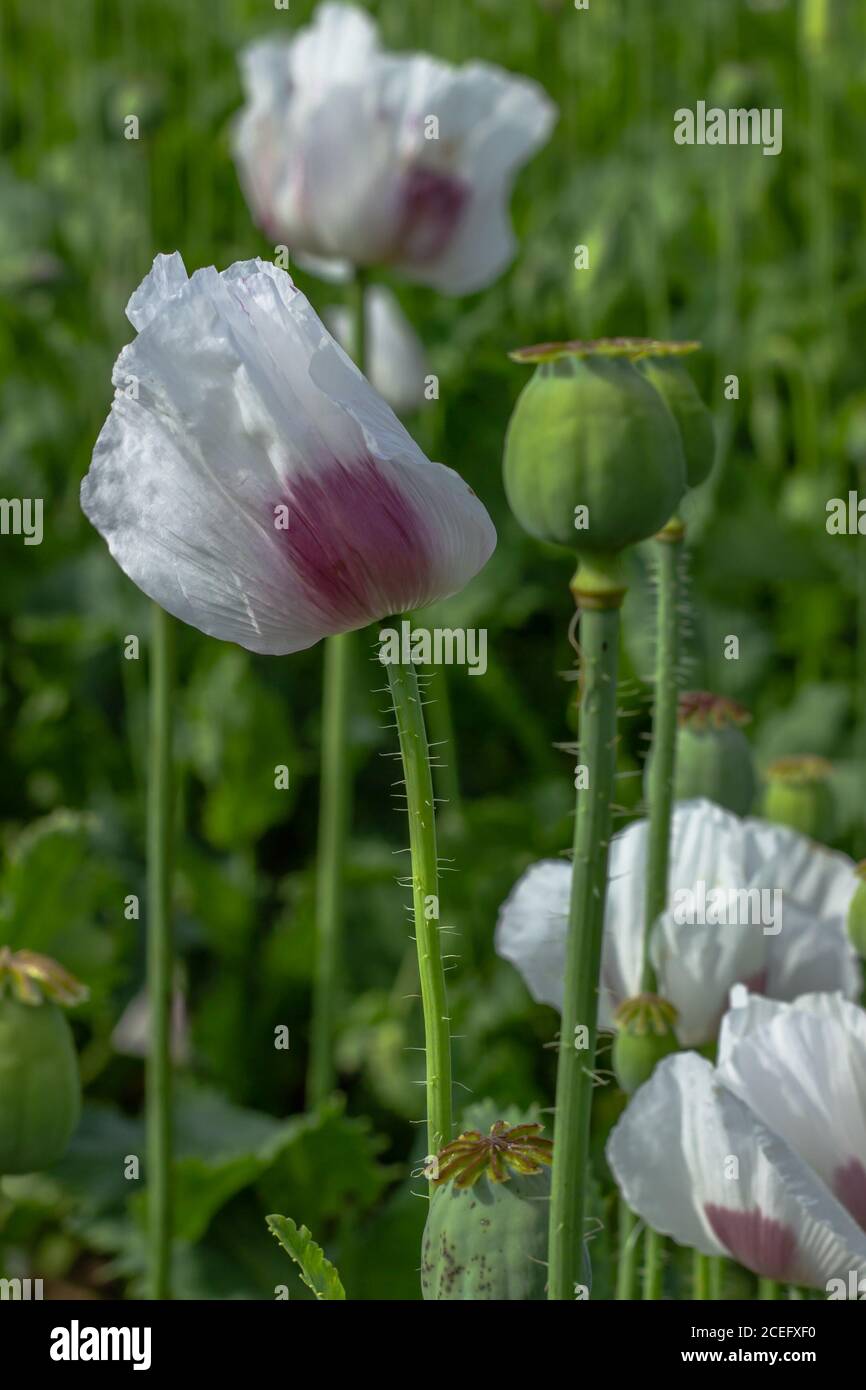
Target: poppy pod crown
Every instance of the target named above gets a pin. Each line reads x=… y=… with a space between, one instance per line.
x=593 y=457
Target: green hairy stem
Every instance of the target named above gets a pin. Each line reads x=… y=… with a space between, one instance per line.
x=599 y=638
x=420 y=806
x=661 y=800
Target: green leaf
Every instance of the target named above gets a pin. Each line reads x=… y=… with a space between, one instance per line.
x=316 y=1271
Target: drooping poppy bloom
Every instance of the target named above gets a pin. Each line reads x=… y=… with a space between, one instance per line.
x=748 y=902
x=395 y=362
x=762 y=1157
x=353 y=156
x=251 y=481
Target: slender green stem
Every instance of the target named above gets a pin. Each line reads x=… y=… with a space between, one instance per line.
x=159 y=953
x=661 y=800
x=420 y=806
x=717 y=1270
x=627 y=1239
x=700 y=1275
x=653 y=1264
x=599 y=638
x=334 y=812
x=334 y=802
x=664 y=742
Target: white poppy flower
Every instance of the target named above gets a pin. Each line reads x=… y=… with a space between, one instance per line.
x=761 y=1159
x=354 y=156
x=250 y=480
x=720 y=866
x=395 y=365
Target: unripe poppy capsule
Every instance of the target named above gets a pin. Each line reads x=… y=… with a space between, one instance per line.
x=593 y=457
x=645 y=1035
x=799 y=794
x=40 y=1090
x=681 y=396
x=713 y=755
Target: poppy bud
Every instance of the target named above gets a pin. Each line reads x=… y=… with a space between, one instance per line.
x=713 y=757
x=645 y=1034
x=680 y=395
x=857 y=913
x=593 y=457
x=799 y=794
x=40 y=1090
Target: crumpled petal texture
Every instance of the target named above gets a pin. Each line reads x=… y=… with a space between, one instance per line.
x=250 y=480
x=352 y=156
x=698 y=1164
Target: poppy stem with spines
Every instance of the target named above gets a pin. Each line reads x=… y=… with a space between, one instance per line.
x=661 y=796
x=160 y=803
x=421 y=806
x=334 y=810
x=599 y=643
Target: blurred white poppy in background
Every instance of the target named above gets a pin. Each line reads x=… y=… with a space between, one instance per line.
x=697 y=962
x=251 y=481
x=763 y=1157
x=351 y=156
x=395 y=362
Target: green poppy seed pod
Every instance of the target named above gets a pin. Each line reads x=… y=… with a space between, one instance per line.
x=713 y=755
x=593 y=457
x=645 y=1034
x=40 y=1090
x=799 y=794
x=486 y=1231
x=857 y=913
x=683 y=400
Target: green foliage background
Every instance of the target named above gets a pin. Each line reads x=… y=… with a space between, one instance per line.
x=763 y=259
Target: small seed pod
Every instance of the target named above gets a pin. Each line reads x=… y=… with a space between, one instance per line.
x=681 y=396
x=799 y=794
x=486 y=1231
x=645 y=1034
x=713 y=756
x=40 y=1090
x=857 y=913
x=593 y=456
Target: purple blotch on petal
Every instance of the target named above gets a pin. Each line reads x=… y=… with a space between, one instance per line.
x=759 y=1242
x=358 y=546
x=432 y=204
x=849 y=1185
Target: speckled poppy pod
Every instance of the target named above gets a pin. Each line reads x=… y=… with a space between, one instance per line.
x=250 y=480
x=593 y=457
x=353 y=156
x=760 y=1158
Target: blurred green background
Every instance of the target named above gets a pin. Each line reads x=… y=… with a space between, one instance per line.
x=761 y=258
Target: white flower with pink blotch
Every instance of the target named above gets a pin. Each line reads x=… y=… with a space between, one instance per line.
x=251 y=481
x=761 y=1158
x=697 y=961
x=352 y=156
